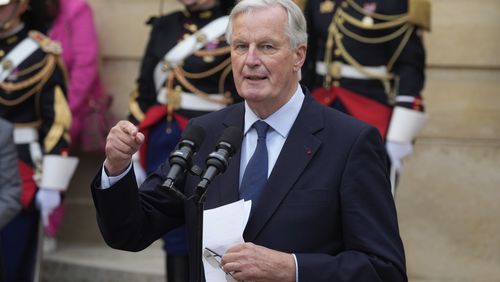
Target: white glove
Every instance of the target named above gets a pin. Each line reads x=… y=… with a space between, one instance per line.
x=397 y=152
x=140 y=173
x=47 y=200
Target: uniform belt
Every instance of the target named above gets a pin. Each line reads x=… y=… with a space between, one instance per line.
x=347 y=71
x=190 y=101
x=25 y=135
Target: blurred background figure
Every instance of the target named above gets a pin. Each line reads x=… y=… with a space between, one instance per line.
x=71 y=24
x=366 y=58
x=185 y=72
x=10 y=182
x=32 y=97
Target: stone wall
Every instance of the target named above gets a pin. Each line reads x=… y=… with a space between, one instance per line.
x=447 y=199
x=448 y=192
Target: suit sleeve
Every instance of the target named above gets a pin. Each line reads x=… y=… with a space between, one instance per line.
x=131 y=219
x=373 y=250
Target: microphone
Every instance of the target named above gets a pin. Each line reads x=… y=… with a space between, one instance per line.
x=218 y=161
x=180 y=159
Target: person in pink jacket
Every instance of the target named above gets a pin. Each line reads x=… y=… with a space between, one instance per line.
x=73 y=26
x=70 y=22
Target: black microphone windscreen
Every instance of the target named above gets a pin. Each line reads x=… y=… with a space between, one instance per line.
x=233 y=136
x=194 y=133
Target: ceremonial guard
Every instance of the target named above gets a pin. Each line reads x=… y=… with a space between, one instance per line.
x=32 y=97
x=366 y=58
x=185 y=72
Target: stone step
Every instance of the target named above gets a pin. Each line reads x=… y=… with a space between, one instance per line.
x=79 y=224
x=82 y=255
x=73 y=262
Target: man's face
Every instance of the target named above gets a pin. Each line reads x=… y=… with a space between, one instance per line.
x=264 y=66
x=6 y=11
x=10 y=15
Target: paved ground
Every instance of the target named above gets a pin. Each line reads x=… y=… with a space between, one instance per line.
x=96 y=263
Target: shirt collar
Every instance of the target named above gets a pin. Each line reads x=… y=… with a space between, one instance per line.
x=282 y=120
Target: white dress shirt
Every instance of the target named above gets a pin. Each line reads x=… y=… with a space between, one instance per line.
x=280 y=123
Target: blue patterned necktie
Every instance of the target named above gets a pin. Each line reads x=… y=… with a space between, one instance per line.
x=255 y=176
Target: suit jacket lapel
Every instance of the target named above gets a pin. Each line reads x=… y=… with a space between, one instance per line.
x=298 y=150
x=228 y=184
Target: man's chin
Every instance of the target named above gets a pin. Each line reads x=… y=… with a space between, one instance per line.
x=254 y=96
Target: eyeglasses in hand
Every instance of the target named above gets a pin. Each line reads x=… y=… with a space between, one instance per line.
x=213 y=257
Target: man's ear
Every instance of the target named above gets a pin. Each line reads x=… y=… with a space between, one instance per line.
x=300 y=57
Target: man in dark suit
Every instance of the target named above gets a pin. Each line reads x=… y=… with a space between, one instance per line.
x=325 y=212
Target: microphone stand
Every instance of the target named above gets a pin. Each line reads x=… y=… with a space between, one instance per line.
x=216 y=162
x=199 y=200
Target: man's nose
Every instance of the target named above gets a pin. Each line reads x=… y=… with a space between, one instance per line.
x=252 y=58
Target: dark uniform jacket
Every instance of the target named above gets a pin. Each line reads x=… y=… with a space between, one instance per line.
x=207 y=71
x=366 y=33
x=34 y=96
x=209 y=67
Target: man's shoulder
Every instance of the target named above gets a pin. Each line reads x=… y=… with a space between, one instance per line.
x=332 y=113
x=332 y=116
x=230 y=112
x=340 y=122
x=45 y=43
x=215 y=122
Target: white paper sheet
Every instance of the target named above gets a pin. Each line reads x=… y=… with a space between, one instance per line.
x=222 y=228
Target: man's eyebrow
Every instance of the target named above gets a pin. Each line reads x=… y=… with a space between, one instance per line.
x=238 y=41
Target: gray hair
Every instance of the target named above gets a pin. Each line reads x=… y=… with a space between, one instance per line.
x=296 y=27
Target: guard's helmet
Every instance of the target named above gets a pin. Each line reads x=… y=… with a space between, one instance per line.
x=5 y=2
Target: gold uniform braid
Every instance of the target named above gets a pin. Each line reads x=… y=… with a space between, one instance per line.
x=337 y=30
